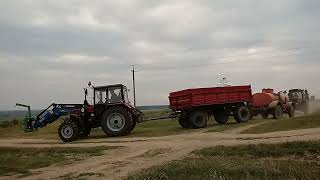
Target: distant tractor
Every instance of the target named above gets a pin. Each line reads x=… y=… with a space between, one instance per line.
x=110 y=110
x=300 y=98
x=195 y=106
x=267 y=102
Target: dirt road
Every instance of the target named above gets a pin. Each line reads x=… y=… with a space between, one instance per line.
x=136 y=154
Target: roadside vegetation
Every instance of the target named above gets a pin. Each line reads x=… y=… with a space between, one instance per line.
x=303 y=122
x=20 y=161
x=294 y=160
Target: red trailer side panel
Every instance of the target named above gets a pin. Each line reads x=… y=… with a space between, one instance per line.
x=188 y=98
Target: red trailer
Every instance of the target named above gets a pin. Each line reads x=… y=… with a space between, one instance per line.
x=196 y=105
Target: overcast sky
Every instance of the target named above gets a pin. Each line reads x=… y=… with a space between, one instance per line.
x=49 y=50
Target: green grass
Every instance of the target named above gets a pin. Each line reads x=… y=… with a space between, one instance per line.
x=295 y=160
x=303 y=122
x=21 y=161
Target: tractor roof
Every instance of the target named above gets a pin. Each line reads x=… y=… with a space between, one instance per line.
x=108 y=86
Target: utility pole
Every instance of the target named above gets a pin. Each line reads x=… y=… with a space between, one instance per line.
x=134 y=86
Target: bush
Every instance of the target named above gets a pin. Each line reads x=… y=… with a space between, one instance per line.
x=6 y=123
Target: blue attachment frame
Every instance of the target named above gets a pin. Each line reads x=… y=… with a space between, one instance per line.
x=52 y=113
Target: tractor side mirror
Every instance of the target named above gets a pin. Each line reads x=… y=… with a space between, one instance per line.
x=89 y=83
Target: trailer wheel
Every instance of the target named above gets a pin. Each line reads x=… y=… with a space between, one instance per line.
x=277 y=112
x=221 y=117
x=291 y=111
x=68 y=131
x=242 y=114
x=198 y=119
x=116 y=121
x=184 y=122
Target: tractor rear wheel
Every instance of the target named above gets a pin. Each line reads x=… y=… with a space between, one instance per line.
x=68 y=131
x=116 y=121
x=277 y=112
x=221 y=117
x=242 y=114
x=198 y=119
x=133 y=125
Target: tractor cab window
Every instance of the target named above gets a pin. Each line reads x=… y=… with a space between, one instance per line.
x=100 y=96
x=114 y=95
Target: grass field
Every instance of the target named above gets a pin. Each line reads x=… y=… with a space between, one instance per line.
x=296 y=160
x=303 y=122
x=21 y=161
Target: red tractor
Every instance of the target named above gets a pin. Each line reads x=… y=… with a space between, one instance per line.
x=110 y=110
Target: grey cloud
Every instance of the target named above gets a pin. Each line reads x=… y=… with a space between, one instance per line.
x=50 y=49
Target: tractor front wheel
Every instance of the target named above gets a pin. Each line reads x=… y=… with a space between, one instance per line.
x=68 y=131
x=116 y=121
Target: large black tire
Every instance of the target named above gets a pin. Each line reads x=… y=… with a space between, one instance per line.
x=221 y=117
x=291 y=111
x=133 y=125
x=277 y=112
x=184 y=122
x=198 y=119
x=242 y=114
x=68 y=131
x=116 y=121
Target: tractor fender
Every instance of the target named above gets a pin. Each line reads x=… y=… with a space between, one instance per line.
x=274 y=104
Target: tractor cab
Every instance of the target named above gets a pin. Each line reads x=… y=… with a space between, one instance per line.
x=111 y=94
x=300 y=98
